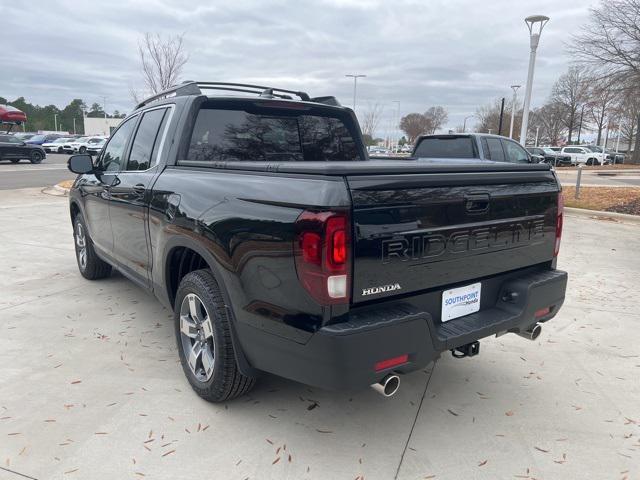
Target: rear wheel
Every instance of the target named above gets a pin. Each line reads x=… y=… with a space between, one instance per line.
x=82 y=150
x=203 y=333
x=90 y=265
x=36 y=156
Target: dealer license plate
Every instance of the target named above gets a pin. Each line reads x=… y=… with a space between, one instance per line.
x=461 y=301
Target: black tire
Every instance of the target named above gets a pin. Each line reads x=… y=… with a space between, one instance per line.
x=82 y=150
x=36 y=156
x=59 y=149
x=226 y=381
x=93 y=267
x=15 y=160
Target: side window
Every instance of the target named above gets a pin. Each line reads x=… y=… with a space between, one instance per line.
x=13 y=139
x=148 y=136
x=514 y=152
x=495 y=150
x=113 y=154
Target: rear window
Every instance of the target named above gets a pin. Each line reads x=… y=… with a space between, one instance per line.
x=445 y=147
x=237 y=135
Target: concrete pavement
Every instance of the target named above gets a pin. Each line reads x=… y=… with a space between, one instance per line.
x=91 y=386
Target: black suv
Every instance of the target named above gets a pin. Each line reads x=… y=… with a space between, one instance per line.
x=14 y=149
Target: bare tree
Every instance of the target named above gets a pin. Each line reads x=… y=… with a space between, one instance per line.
x=489 y=116
x=628 y=112
x=414 y=124
x=436 y=116
x=162 y=60
x=600 y=103
x=371 y=119
x=550 y=119
x=570 y=90
x=610 y=43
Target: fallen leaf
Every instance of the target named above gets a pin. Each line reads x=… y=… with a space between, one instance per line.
x=541 y=449
x=275 y=461
x=509 y=413
x=483 y=463
x=168 y=453
x=452 y=412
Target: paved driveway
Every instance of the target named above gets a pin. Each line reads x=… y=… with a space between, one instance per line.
x=91 y=387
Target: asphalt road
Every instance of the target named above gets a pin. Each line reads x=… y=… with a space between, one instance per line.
x=91 y=386
x=52 y=170
x=601 y=178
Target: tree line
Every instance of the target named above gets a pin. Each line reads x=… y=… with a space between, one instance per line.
x=45 y=117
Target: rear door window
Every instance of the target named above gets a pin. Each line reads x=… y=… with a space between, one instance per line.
x=237 y=135
x=445 y=147
x=495 y=150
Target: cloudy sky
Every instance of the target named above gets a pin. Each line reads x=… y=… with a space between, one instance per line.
x=458 y=54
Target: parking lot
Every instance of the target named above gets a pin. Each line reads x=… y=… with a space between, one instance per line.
x=92 y=386
x=52 y=170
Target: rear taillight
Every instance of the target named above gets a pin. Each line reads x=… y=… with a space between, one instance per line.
x=323 y=257
x=559 y=218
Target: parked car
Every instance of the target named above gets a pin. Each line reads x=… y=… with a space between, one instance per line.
x=57 y=146
x=379 y=151
x=94 y=148
x=24 y=136
x=481 y=146
x=14 y=149
x=614 y=157
x=550 y=156
x=537 y=155
x=80 y=145
x=583 y=155
x=39 y=139
x=280 y=247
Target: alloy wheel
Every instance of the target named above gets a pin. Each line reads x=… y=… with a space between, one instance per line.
x=196 y=333
x=81 y=243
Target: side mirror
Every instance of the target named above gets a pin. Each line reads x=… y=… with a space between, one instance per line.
x=80 y=164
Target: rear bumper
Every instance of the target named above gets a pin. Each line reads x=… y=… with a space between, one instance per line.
x=343 y=355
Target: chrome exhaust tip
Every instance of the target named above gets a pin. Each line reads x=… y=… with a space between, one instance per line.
x=388 y=386
x=531 y=333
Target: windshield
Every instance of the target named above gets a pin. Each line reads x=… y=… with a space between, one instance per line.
x=445 y=147
x=37 y=138
x=548 y=150
x=595 y=149
x=81 y=140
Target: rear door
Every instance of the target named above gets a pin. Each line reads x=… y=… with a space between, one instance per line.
x=130 y=194
x=424 y=231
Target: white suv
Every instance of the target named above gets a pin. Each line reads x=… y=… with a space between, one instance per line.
x=583 y=155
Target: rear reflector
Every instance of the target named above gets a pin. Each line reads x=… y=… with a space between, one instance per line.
x=391 y=362
x=542 y=312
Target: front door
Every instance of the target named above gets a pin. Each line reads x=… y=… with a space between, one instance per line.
x=130 y=195
x=97 y=188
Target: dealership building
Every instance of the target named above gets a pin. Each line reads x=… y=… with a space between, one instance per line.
x=100 y=125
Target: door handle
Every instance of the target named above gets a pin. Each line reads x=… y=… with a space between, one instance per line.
x=477 y=203
x=139 y=188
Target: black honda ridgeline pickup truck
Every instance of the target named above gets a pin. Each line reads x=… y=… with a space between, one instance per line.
x=260 y=221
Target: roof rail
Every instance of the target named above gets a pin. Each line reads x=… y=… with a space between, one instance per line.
x=191 y=87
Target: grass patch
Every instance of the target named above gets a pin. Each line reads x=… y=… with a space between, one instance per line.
x=608 y=199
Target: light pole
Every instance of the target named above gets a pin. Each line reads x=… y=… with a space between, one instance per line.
x=396 y=127
x=535 y=24
x=355 y=86
x=74 y=125
x=55 y=121
x=464 y=123
x=513 y=107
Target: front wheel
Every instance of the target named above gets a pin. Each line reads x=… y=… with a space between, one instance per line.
x=203 y=333
x=90 y=265
x=36 y=157
x=82 y=150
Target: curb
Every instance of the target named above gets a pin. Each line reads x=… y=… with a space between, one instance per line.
x=601 y=215
x=56 y=190
x=61 y=189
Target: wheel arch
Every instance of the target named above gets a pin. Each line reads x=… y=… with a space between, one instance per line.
x=184 y=255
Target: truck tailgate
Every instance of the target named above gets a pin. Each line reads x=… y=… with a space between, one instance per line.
x=422 y=231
